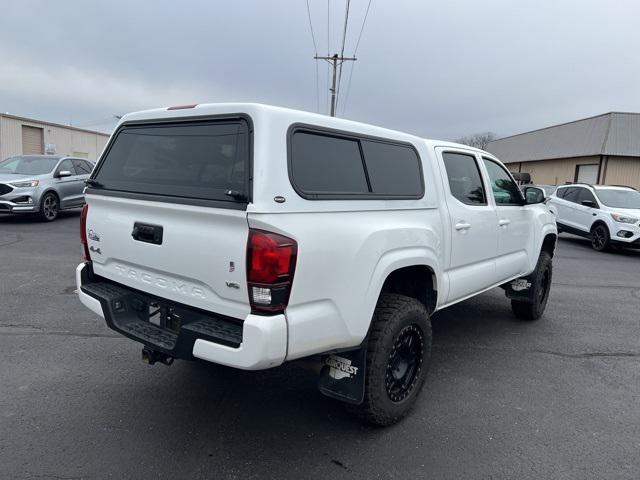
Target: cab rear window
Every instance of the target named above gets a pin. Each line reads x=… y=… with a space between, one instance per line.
x=205 y=160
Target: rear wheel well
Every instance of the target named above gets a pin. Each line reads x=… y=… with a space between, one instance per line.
x=549 y=244
x=416 y=281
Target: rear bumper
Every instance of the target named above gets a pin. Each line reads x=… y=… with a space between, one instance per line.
x=255 y=343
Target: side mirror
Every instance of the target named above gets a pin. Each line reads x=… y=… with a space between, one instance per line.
x=63 y=173
x=533 y=195
x=589 y=203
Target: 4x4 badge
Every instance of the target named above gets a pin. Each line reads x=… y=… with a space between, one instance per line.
x=93 y=236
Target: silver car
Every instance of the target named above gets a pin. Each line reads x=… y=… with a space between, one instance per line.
x=42 y=184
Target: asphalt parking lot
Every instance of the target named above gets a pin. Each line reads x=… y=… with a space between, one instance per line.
x=557 y=398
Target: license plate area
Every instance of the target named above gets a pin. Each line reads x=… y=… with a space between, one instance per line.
x=163 y=325
x=164 y=316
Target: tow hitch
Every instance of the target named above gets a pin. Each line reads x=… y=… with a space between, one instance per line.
x=152 y=356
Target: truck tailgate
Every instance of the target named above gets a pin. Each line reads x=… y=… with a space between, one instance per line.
x=197 y=256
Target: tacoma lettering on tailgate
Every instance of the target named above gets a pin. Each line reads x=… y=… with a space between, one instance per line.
x=162 y=282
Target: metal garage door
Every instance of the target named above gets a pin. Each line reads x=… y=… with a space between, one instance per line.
x=587 y=174
x=32 y=140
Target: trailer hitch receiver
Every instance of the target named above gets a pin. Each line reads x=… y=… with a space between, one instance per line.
x=150 y=357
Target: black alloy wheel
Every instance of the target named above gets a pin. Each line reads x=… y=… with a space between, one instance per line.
x=404 y=364
x=600 y=238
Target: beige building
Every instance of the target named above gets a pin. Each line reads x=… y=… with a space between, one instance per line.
x=604 y=149
x=26 y=136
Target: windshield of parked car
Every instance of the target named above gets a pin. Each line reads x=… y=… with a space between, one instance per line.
x=28 y=165
x=619 y=198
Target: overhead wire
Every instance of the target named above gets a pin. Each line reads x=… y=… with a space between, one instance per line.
x=355 y=50
x=344 y=39
x=315 y=49
x=342 y=49
x=328 y=50
x=362 y=28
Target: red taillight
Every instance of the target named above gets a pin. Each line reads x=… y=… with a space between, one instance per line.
x=83 y=232
x=271 y=262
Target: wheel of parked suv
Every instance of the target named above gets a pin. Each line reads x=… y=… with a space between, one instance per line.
x=398 y=356
x=540 y=279
x=49 y=207
x=600 y=239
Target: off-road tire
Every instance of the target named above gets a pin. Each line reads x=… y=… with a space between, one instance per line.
x=540 y=279
x=49 y=207
x=600 y=238
x=396 y=317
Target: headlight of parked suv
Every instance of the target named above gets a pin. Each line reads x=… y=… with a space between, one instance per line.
x=28 y=183
x=623 y=218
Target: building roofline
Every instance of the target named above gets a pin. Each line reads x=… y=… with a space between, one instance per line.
x=53 y=124
x=563 y=124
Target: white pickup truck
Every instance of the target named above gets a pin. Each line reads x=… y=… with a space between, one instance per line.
x=249 y=236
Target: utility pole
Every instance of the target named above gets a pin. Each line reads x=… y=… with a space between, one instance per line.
x=333 y=61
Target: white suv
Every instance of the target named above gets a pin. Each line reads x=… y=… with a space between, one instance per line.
x=608 y=215
x=250 y=235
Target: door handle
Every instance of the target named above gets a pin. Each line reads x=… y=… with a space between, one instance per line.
x=463 y=226
x=143 y=232
x=504 y=222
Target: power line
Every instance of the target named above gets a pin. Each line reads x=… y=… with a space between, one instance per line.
x=317 y=89
x=335 y=61
x=328 y=49
x=315 y=50
x=364 y=21
x=362 y=29
x=346 y=97
x=344 y=38
x=313 y=37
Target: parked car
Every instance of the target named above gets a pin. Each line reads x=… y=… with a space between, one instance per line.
x=249 y=235
x=42 y=184
x=607 y=215
x=548 y=189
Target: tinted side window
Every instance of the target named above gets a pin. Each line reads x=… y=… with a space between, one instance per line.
x=81 y=167
x=66 y=165
x=464 y=177
x=571 y=194
x=324 y=164
x=505 y=190
x=560 y=193
x=393 y=169
x=585 y=194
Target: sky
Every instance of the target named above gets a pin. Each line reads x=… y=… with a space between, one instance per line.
x=439 y=69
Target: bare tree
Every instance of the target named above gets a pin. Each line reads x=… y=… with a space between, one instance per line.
x=477 y=140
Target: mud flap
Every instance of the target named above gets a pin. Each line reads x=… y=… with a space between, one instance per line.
x=343 y=374
x=519 y=289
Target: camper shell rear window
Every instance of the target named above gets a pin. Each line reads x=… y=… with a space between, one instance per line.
x=205 y=160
